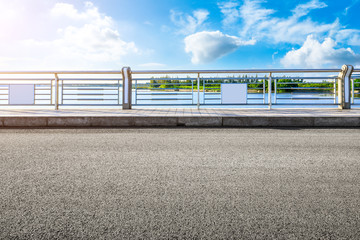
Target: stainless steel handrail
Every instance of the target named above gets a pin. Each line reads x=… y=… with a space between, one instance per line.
x=180 y=71
x=60 y=72
x=234 y=71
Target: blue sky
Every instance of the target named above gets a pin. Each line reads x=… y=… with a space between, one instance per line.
x=178 y=34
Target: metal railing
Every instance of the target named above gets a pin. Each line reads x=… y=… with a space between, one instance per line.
x=306 y=90
x=355 y=89
x=42 y=88
x=61 y=88
x=203 y=87
x=162 y=90
x=212 y=94
x=175 y=87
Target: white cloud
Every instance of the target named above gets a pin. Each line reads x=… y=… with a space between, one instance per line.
x=273 y=56
x=152 y=65
x=314 y=54
x=259 y=23
x=346 y=10
x=304 y=9
x=253 y=15
x=90 y=14
x=230 y=11
x=67 y=10
x=87 y=39
x=96 y=40
x=207 y=46
x=189 y=24
x=350 y=36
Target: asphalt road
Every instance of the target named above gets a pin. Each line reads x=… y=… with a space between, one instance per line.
x=180 y=184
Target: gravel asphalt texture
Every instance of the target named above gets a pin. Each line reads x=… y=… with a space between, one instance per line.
x=180 y=183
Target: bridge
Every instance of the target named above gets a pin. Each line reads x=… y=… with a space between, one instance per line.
x=170 y=98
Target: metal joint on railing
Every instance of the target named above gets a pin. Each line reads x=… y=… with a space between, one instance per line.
x=344 y=87
x=269 y=90
x=56 y=91
x=198 y=90
x=127 y=87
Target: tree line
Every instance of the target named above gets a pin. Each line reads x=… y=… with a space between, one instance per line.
x=256 y=84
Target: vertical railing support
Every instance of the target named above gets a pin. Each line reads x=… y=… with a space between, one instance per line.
x=135 y=92
x=344 y=87
x=192 y=91
x=127 y=88
x=275 y=90
x=269 y=90
x=264 y=91
x=62 y=92
x=352 y=91
x=198 y=90
x=118 y=91
x=56 y=92
x=203 y=91
x=334 y=91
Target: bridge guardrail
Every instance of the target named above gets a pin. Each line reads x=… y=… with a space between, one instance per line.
x=129 y=88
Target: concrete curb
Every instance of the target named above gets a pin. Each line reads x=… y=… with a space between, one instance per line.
x=256 y=121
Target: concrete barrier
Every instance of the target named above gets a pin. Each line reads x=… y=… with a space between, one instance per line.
x=241 y=121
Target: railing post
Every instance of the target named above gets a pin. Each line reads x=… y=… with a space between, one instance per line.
x=264 y=90
x=275 y=91
x=192 y=91
x=204 y=91
x=269 y=90
x=127 y=88
x=344 y=87
x=352 y=91
x=335 y=91
x=56 y=91
x=198 y=90
x=135 y=92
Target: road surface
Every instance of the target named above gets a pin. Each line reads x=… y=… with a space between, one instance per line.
x=180 y=183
